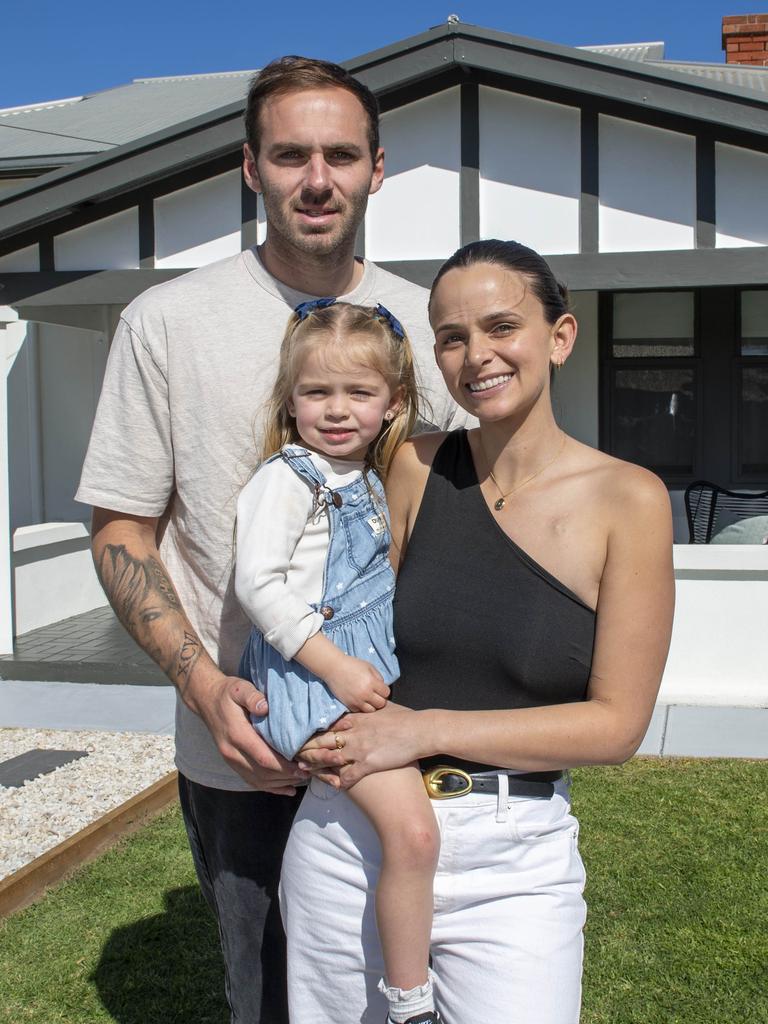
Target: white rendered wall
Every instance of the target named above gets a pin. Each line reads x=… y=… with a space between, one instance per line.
x=53 y=388
x=199 y=224
x=647 y=187
x=415 y=215
x=530 y=171
x=718 y=640
x=71 y=369
x=22 y=261
x=741 y=190
x=54 y=576
x=9 y=320
x=576 y=386
x=24 y=453
x=108 y=244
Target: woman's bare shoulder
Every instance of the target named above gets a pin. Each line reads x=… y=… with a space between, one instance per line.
x=415 y=456
x=624 y=490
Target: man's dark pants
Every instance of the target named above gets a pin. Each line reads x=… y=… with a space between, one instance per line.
x=237 y=841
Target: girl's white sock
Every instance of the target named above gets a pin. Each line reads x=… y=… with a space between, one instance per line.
x=405 y=1003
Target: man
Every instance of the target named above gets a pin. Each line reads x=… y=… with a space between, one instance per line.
x=192 y=362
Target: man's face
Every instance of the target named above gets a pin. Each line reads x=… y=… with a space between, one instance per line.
x=314 y=169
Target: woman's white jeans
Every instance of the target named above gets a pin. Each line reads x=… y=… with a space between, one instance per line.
x=509 y=912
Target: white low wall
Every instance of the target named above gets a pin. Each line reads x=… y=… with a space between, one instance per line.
x=54 y=576
x=718 y=655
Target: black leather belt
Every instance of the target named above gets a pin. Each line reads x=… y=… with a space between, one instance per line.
x=444 y=782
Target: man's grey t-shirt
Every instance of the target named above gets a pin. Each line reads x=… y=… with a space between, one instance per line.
x=190 y=369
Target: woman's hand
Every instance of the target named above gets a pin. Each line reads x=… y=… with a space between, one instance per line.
x=392 y=738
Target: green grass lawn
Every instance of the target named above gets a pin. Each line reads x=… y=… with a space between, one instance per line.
x=676 y=858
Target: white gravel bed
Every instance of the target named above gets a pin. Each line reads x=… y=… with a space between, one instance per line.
x=44 y=811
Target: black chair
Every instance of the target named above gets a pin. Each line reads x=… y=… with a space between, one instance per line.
x=710 y=508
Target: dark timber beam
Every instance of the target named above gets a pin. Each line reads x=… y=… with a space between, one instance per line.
x=589 y=203
x=249 y=204
x=629 y=271
x=469 y=182
x=705 y=192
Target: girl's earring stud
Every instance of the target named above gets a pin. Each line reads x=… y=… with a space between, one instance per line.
x=388 y=415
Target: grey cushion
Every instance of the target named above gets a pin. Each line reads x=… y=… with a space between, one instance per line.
x=747 y=531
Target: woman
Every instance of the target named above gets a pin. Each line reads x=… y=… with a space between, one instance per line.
x=534 y=609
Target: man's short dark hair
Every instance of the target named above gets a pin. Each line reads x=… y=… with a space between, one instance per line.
x=294 y=74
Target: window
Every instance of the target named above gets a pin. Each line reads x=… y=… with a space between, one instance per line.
x=752 y=385
x=685 y=383
x=652 y=378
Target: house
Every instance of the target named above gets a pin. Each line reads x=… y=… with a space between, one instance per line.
x=643 y=181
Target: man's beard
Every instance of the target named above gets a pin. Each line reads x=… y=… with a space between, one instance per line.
x=322 y=240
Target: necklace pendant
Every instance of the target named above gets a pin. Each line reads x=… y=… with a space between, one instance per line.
x=499 y=504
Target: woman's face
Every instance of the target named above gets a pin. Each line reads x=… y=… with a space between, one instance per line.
x=493 y=343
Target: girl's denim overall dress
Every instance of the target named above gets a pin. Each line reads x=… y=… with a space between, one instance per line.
x=358 y=587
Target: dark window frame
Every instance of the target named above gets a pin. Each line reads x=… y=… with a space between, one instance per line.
x=610 y=364
x=740 y=363
x=718 y=366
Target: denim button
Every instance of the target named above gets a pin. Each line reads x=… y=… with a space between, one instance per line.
x=326 y=611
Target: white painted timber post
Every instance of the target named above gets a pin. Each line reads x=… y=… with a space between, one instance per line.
x=7 y=316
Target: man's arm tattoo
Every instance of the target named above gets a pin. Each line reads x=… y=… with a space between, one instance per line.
x=145 y=601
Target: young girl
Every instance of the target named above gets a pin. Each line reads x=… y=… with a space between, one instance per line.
x=313 y=575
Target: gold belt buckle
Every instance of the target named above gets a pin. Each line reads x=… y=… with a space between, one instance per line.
x=433 y=781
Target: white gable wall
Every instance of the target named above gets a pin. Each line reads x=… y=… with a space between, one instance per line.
x=21 y=261
x=111 y=243
x=415 y=215
x=199 y=224
x=741 y=196
x=647 y=187
x=530 y=171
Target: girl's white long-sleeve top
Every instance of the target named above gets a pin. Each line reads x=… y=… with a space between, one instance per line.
x=281 y=548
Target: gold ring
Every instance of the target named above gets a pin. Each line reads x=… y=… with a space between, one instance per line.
x=340 y=743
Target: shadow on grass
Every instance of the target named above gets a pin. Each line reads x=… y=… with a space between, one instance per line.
x=165 y=969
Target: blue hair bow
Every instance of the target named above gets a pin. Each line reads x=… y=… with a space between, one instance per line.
x=394 y=324
x=303 y=309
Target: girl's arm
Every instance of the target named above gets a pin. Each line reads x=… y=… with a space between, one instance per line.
x=634 y=620
x=272 y=515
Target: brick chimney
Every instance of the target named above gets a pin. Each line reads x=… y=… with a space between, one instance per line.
x=745 y=39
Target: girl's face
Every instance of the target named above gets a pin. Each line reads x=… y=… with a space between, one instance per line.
x=339 y=410
x=493 y=343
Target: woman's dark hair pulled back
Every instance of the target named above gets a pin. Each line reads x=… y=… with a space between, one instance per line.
x=517 y=257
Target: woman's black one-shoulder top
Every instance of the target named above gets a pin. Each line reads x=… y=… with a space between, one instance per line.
x=479 y=625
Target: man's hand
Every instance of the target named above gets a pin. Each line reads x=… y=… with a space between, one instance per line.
x=372 y=743
x=143 y=596
x=357 y=684
x=225 y=703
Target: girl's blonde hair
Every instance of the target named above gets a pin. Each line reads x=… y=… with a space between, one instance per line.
x=349 y=335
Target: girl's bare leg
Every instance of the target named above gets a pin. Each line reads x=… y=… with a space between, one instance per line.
x=400 y=811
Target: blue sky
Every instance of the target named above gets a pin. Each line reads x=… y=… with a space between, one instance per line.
x=53 y=49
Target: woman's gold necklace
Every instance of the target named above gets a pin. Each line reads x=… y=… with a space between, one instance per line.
x=502 y=499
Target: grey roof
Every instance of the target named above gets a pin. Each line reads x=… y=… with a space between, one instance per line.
x=157 y=159
x=652 y=55
x=70 y=129
x=739 y=75
x=52 y=134
x=630 y=51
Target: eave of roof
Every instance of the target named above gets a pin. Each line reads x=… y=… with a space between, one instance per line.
x=216 y=133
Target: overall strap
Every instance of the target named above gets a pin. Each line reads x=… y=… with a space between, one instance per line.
x=300 y=462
